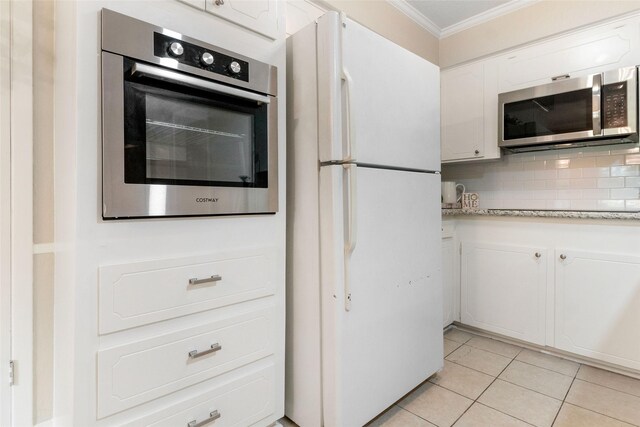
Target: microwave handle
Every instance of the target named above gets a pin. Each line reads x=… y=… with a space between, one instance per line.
x=167 y=75
x=597 y=105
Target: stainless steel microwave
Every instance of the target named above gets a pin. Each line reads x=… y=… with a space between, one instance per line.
x=188 y=128
x=598 y=109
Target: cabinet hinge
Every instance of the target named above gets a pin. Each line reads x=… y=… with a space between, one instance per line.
x=11 y=372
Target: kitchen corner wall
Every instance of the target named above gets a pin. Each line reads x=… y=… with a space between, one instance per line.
x=595 y=178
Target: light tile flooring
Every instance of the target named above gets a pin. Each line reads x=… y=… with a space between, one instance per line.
x=488 y=383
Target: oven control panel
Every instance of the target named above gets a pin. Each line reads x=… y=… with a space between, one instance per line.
x=200 y=57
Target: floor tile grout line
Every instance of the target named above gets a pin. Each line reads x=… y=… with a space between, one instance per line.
x=607 y=387
x=550 y=370
x=473 y=369
x=504 y=413
x=488 y=351
x=600 y=413
x=535 y=391
x=406 y=410
x=564 y=399
x=486 y=388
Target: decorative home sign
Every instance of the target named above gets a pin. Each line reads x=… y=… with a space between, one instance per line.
x=470 y=201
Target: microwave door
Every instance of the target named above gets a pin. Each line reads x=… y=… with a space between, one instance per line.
x=556 y=112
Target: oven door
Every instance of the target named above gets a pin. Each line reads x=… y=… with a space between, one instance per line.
x=179 y=145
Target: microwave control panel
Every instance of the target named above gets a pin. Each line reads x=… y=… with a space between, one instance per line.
x=199 y=57
x=614 y=105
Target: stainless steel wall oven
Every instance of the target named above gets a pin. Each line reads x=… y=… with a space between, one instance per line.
x=188 y=128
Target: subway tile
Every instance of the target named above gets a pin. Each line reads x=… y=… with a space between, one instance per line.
x=558 y=205
x=632 y=181
x=617 y=182
x=626 y=149
x=513 y=185
x=594 y=151
x=583 y=183
x=624 y=193
x=570 y=173
x=610 y=160
x=545 y=174
x=631 y=170
x=558 y=164
x=583 y=162
x=594 y=172
x=632 y=159
x=546 y=155
x=613 y=205
x=491 y=204
x=632 y=205
x=536 y=185
x=584 y=205
x=534 y=165
x=562 y=184
x=568 y=194
x=543 y=194
x=595 y=193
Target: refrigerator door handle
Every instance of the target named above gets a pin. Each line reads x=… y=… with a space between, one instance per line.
x=351 y=138
x=352 y=232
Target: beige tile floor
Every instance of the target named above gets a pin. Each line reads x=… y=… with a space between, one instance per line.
x=488 y=383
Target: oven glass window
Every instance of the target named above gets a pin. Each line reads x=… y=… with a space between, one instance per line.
x=180 y=135
x=549 y=115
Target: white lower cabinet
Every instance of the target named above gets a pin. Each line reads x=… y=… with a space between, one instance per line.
x=566 y=285
x=450 y=274
x=504 y=289
x=237 y=403
x=597 y=305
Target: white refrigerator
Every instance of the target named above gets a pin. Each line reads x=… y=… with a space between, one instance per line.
x=364 y=293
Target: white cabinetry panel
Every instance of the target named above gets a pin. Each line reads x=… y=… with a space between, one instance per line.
x=598 y=305
x=136 y=294
x=138 y=372
x=260 y=16
x=469 y=103
x=592 y=51
x=504 y=289
x=239 y=403
x=449 y=276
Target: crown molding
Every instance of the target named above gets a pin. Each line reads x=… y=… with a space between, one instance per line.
x=486 y=16
x=413 y=13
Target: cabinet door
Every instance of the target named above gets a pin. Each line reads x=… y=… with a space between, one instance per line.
x=504 y=289
x=462 y=112
x=260 y=16
x=448 y=280
x=599 y=49
x=598 y=306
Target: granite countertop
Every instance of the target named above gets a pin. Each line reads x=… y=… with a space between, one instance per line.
x=543 y=214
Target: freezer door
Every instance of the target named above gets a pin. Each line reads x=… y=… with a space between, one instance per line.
x=385 y=107
x=381 y=288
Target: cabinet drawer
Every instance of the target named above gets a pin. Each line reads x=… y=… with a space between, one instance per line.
x=140 y=293
x=239 y=403
x=135 y=373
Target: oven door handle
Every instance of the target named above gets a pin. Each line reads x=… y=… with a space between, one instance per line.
x=172 y=76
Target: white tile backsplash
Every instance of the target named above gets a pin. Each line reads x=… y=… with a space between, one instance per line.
x=593 y=178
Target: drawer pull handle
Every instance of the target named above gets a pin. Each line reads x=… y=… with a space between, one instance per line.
x=214 y=278
x=563 y=257
x=560 y=77
x=212 y=417
x=538 y=254
x=194 y=354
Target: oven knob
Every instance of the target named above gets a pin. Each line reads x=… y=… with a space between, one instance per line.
x=234 y=67
x=206 y=58
x=176 y=49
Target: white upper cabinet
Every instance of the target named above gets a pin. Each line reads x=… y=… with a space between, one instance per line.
x=597 y=308
x=260 y=16
x=591 y=51
x=468 y=100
